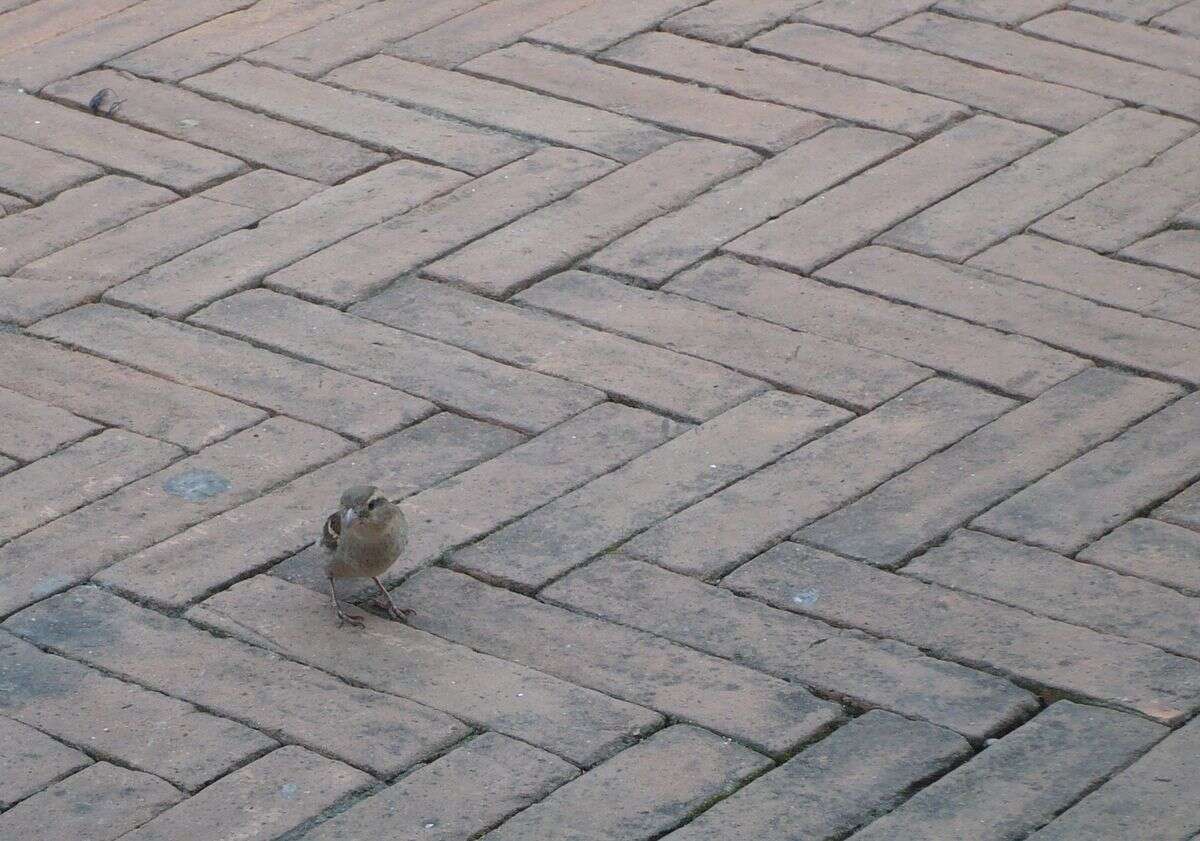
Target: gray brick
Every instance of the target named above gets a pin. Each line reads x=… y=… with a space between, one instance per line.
x=733 y=21
x=32 y=761
x=37 y=174
x=599 y=26
x=1006 y=12
x=1157 y=551
x=1184 y=19
x=1178 y=250
x=1124 y=40
x=1182 y=509
x=857 y=16
x=33 y=429
x=1135 y=10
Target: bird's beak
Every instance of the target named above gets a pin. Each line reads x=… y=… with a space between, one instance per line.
x=348 y=518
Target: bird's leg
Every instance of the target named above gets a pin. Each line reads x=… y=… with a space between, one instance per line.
x=343 y=617
x=393 y=611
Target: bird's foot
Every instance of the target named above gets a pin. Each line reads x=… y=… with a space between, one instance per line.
x=400 y=614
x=346 y=619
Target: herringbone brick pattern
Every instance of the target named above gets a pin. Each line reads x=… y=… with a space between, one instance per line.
x=795 y=403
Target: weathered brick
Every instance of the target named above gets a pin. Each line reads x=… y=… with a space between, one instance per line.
x=267 y=798
x=1149 y=799
x=1008 y=12
x=481 y=30
x=1055 y=107
x=850 y=214
x=31 y=761
x=75 y=476
x=1056 y=318
x=1022 y=781
x=180 y=166
x=12 y=204
x=37 y=174
x=554 y=237
x=74 y=215
x=119 y=396
x=672 y=242
x=347 y=404
x=538 y=548
x=33 y=429
x=859 y=17
x=732 y=526
x=235 y=544
x=368 y=261
x=663 y=380
x=1189 y=217
x=579 y=724
x=241 y=259
x=264 y=190
x=175 y=112
x=1054 y=657
x=1184 y=19
x=919 y=506
x=760 y=77
x=875 y=760
x=1182 y=307
x=1182 y=509
x=801 y=362
x=227 y=37
x=1012 y=52
x=1050 y=585
x=381 y=733
x=1006 y=202
x=639 y=794
x=361 y=119
x=599 y=26
x=357 y=34
x=1157 y=551
x=466 y=792
x=1138 y=203
x=687 y=108
x=122 y=721
x=100 y=803
x=1124 y=40
x=505 y=107
x=1081 y=272
x=836 y=663
x=72 y=548
x=1087 y=498
x=733 y=21
x=446 y=375
x=85 y=47
x=1010 y=363
x=35 y=25
x=1178 y=250
x=1135 y=10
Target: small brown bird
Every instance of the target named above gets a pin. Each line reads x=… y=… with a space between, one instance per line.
x=365 y=536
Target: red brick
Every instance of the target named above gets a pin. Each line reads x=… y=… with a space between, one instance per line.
x=1009 y=363
x=874 y=762
x=33 y=429
x=534 y=550
x=1055 y=107
x=31 y=761
x=1153 y=550
x=1012 y=52
x=100 y=803
x=599 y=26
x=857 y=210
x=119 y=396
x=800 y=362
x=578 y=724
x=640 y=793
x=374 y=124
x=674 y=241
x=718 y=533
x=920 y=506
x=481 y=30
x=37 y=174
x=484 y=102
x=838 y=664
x=1022 y=781
x=687 y=108
x=447 y=376
x=764 y=712
x=371 y=730
x=347 y=404
x=267 y=798
x=370 y=260
x=160 y=160
x=141 y=729
x=552 y=238
x=465 y=792
x=733 y=21
x=1053 y=657
x=175 y=112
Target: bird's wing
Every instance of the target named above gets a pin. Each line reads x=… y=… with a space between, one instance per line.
x=332 y=530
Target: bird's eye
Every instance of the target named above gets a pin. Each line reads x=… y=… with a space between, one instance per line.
x=373 y=504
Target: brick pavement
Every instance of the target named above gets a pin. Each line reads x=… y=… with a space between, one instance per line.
x=795 y=403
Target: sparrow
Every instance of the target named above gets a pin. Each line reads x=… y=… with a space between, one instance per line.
x=363 y=538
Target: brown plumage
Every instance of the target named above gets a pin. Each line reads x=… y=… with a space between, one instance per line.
x=363 y=538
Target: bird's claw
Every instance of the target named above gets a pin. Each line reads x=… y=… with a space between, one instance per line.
x=400 y=614
x=346 y=619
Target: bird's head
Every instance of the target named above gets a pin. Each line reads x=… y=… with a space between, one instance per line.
x=365 y=504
